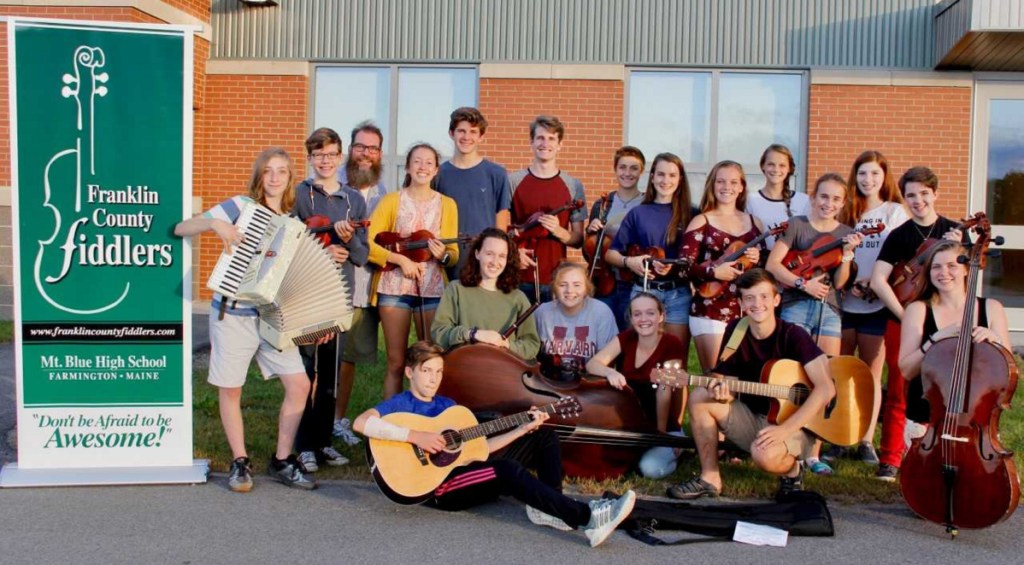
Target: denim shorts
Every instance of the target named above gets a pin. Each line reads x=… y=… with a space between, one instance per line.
x=407 y=302
x=870 y=324
x=806 y=314
x=675 y=301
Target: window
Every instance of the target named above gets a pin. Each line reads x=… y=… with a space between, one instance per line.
x=409 y=104
x=710 y=116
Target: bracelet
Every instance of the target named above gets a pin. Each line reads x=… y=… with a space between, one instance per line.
x=847 y=257
x=472 y=335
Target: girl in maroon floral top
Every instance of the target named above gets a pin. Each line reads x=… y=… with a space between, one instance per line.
x=722 y=221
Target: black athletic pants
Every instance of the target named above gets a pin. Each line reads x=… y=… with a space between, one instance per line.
x=322 y=366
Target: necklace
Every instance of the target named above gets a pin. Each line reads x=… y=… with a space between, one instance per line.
x=924 y=235
x=635 y=196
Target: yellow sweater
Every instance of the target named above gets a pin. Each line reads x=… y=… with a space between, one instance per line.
x=383 y=219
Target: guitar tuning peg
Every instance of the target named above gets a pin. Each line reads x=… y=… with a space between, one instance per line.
x=102 y=77
x=101 y=91
x=67 y=92
x=68 y=79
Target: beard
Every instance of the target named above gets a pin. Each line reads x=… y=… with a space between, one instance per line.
x=362 y=178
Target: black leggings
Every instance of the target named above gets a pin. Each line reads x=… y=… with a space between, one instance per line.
x=322 y=367
x=506 y=474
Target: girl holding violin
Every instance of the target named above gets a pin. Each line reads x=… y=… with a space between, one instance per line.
x=629 y=359
x=574 y=325
x=414 y=288
x=486 y=300
x=711 y=235
x=813 y=303
x=777 y=202
x=605 y=218
x=874 y=199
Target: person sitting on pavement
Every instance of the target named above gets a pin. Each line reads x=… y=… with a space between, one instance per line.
x=775 y=448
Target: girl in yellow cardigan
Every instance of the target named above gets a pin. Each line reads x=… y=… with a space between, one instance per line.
x=412 y=288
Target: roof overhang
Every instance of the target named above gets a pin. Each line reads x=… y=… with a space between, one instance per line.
x=979 y=35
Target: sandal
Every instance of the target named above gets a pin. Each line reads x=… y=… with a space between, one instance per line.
x=693 y=489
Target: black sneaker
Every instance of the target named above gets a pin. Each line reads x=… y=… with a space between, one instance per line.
x=790 y=484
x=887 y=473
x=291 y=472
x=834 y=453
x=240 y=476
x=866 y=453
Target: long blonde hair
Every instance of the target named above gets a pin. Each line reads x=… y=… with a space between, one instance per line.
x=256 y=190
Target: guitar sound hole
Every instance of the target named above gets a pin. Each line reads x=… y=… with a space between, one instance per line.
x=452 y=449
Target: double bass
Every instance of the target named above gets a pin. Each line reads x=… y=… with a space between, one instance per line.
x=959 y=474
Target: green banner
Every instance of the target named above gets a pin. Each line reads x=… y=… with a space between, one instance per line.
x=101 y=121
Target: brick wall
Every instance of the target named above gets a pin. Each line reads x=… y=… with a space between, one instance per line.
x=910 y=125
x=241 y=116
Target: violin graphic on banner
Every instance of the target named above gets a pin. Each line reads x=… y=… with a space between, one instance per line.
x=66 y=248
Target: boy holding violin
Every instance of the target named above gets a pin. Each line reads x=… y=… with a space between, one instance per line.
x=538 y=190
x=324 y=197
x=920 y=187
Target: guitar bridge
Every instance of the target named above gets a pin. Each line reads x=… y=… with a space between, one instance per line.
x=420 y=455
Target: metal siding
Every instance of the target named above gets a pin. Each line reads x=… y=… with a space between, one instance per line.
x=734 y=33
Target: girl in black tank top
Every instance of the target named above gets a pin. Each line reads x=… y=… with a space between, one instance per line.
x=946 y=288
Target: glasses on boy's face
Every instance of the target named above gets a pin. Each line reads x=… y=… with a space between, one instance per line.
x=368 y=149
x=324 y=156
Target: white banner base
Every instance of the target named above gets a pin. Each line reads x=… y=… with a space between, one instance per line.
x=11 y=476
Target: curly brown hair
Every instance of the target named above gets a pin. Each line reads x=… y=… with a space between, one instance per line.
x=508 y=280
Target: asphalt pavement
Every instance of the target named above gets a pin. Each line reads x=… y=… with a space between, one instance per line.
x=350 y=522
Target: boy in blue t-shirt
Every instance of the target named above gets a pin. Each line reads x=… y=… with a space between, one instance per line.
x=504 y=473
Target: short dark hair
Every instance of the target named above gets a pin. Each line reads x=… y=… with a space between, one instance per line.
x=754 y=277
x=421 y=352
x=320 y=138
x=467 y=114
x=629 y=151
x=550 y=123
x=367 y=126
x=923 y=175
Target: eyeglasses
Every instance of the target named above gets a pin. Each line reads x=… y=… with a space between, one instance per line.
x=370 y=149
x=324 y=156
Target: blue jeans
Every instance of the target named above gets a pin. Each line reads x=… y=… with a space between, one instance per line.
x=618 y=301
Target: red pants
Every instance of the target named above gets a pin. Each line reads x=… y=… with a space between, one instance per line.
x=894 y=408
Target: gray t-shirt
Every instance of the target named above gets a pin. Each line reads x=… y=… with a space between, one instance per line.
x=574 y=339
x=799 y=236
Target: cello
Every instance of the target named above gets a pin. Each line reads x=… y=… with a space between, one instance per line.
x=959 y=474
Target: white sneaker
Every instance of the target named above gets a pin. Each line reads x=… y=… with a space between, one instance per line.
x=343 y=430
x=545 y=519
x=332 y=457
x=308 y=460
x=606 y=514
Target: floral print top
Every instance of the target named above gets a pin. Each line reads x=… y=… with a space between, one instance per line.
x=704 y=245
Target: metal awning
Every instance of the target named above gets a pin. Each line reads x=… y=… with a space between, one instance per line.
x=979 y=35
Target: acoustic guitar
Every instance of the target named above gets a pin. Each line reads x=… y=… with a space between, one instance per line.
x=408 y=475
x=845 y=419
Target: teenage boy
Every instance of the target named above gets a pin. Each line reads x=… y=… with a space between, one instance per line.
x=323 y=194
x=920 y=187
x=479 y=187
x=542 y=187
x=362 y=172
x=505 y=472
x=775 y=448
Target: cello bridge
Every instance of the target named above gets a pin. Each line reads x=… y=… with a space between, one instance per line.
x=954 y=438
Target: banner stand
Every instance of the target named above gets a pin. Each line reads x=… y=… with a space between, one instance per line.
x=13 y=477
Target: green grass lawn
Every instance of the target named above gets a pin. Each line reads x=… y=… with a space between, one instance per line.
x=6 y=331
x=261 y=400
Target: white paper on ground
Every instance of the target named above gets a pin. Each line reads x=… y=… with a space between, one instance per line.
x=756 y=534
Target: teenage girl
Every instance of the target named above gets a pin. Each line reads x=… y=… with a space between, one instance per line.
x=777 y=202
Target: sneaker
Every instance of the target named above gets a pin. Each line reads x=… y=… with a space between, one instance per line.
x=887 y=473
x=291 y=472
x=343 y=431
x=693 y=489
x=833 y=454
x=866 y=453
x=240 y=477
x=790 y=484
x=331 y=457
x=545 y=519
x=606 y=514
x=308 y=460
x=819 y=467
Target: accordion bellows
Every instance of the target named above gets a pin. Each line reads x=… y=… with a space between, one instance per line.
x=290 y=277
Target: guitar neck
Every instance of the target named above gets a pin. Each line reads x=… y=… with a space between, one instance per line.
x=746 y=387
x=501 y=424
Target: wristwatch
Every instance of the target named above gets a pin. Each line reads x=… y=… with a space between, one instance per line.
x=798 y=284
x=447 y=257
x=472 y=335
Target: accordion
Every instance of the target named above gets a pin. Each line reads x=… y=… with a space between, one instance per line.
x=290 y=277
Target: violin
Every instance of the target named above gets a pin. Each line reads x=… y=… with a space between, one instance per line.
x=908 y=278
x=414 y=246
x=532 y=229
x=825 y=254
x=595 y=245
x=959 y=474
x=736 y=251
x=323 y=228
x=656 y=253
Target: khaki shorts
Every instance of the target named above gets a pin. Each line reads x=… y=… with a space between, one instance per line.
x=361 y=338
x=234 y=341
x=742 y=425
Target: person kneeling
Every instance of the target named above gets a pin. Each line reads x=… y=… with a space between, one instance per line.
x=743 y=420
x=504 y=473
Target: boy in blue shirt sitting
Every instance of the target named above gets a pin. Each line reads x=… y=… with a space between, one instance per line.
x=505 y=472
